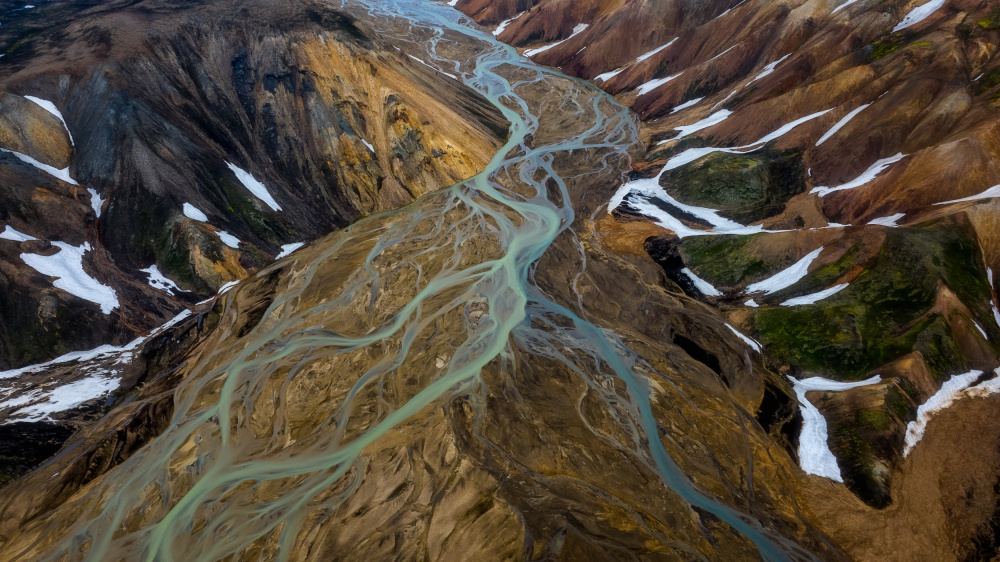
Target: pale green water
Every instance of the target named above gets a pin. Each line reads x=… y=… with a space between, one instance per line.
x=433 y=236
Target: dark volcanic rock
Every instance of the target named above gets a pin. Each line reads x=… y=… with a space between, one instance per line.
x=294 y=94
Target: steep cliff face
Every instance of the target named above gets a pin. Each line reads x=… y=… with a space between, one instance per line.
x=200 y=146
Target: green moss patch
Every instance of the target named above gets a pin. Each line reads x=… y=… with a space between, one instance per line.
x=881 y=49
x=988 y=81
x=937 y=344
x=745 y=187
x=727 y=261
x=883 y=314
x=990 y=20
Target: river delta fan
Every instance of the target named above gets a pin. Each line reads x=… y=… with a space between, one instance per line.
x=685 y=317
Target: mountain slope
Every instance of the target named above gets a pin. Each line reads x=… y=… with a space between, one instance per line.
x=175 y=128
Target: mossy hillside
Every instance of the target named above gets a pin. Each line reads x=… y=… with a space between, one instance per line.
x=826 y=275
x=866 y=436
x=36 y=329
x=745 y=187
x=819 y=279
x=728 y=261
x=732 y=262
x=901 y=399
x=238 y=200
x=883 y=314
x=173 y=254
x=702 y=87
x=940 y=351
x=860 y=466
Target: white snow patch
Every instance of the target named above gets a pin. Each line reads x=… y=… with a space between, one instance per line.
x=786 y=277
x=725 y=99
x=713 y=119
x=840 y=124
x=227 y=286
x=815 y=297
x=650 y=187
x=919 y=14
x=158 y=281
x=51 y=108
x=95 y=201
x=641 y=58
x=789 y=126
x=751 y=303
x=721 y=225
x=705 y=287
x=815 y=456
x=865 y=177
x=10 y=234
x=950 y=391
x=644 y=89
x=988 y=194
x=452 y=2
x=981 y=330
x=40 y=403
x=504 y=23
x=985 y=388
x=254 y=186
x=287 y=249
x=433 y=68
x=730 y=9
x=229 y=239
x=769 y=69
x=66 y=266
x=723 y=52
x=609 y=75
x=842 y=6
x=62 y=174
x=888 y=221
x=686 y=105
x=576 y=31
x=194 y=213
x=749 y=341
x=102 y=352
